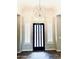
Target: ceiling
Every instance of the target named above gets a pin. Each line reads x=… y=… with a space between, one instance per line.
x=33 y=3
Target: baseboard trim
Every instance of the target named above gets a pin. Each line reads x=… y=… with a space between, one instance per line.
x=49 y=51
x=58 y=50
x=19 y=52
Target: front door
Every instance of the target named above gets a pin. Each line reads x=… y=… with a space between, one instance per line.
x=38 y=37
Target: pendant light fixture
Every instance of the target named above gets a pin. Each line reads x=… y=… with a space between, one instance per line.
x=39 y=11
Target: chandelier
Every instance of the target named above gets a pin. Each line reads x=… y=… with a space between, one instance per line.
x=39 y=11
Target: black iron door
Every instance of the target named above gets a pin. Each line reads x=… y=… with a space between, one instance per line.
x=38 y=37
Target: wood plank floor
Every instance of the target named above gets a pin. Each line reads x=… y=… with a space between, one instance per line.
x=39 y=55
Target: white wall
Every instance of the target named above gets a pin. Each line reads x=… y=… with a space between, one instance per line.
x=50 y=43
x=52 y=33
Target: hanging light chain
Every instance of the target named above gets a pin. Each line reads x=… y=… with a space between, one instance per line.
x=39 y=8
